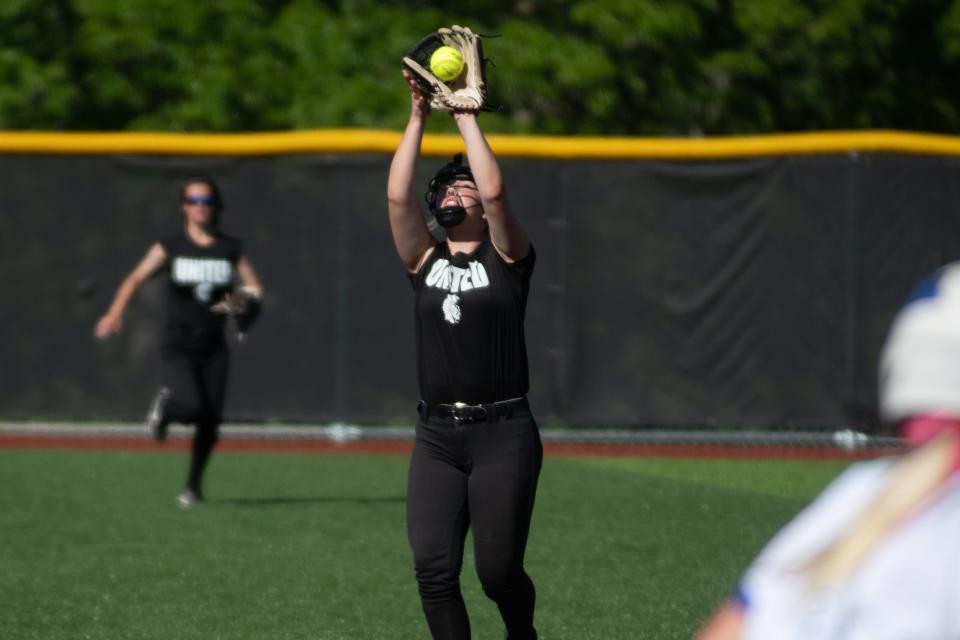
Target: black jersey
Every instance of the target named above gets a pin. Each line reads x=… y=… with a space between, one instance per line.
x=469 y=323
x=198 y=277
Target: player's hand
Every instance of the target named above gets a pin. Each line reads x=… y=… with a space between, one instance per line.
x=107 y=326
x=419 y=103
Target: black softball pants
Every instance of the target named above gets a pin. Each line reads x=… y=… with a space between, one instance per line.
x=481 y=475
x=196 y=377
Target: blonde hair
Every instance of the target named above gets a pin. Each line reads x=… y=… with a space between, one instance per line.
x=913 y=481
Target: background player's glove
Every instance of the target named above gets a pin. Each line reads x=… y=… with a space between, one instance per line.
x=468 y=91
x=243 y=305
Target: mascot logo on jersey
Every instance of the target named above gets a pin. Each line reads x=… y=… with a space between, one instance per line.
x=203 y=292
x=451 y=309
x=456 y=280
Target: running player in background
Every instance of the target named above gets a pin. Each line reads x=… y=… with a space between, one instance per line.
x=477 y=450
x=876 y=554
x=201 y=266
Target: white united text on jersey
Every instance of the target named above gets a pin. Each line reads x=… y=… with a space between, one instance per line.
x=204 y=273
x=447 y=277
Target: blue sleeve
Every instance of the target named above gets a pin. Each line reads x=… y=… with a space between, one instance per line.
x=739 y=595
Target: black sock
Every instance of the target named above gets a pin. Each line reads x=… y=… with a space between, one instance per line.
x=448 y=620
x=203 y=444
x=516 y=608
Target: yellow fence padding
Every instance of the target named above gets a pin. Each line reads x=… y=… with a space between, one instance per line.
x=344 y=141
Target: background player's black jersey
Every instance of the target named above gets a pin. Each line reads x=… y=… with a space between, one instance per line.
x=469 y=324
x=198 y=277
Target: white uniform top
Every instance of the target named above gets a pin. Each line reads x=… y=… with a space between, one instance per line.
x=908 y=588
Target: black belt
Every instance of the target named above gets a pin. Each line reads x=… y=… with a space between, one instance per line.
x=462 y=413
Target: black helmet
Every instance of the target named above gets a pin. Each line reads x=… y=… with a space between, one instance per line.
x=454 y=170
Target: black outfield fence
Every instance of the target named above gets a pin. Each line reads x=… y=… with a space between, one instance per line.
x=679 y=283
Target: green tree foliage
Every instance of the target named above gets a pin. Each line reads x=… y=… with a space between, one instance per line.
x=37 y=84
x=618 y=67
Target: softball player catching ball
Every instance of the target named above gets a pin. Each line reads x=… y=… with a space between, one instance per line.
x=477 y=452
x=875 y=555
x=201 y=265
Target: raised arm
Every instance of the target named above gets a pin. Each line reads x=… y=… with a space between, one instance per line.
x=505 y=231
x=410 y=234
x=112 y=320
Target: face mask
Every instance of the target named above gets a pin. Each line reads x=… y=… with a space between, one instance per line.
x=449 y=216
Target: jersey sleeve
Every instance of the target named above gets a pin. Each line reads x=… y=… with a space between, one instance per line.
x=523 y=267
x=233 y=248
x=169 y=244
x=417 y=277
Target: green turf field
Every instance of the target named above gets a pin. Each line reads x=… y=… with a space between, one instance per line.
x=93 y=546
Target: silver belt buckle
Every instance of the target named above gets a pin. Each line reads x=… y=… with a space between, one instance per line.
x=459 y=418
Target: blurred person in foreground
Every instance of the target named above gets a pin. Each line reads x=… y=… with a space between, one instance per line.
x=477 y=451
x=201 y=266
x=876 y=556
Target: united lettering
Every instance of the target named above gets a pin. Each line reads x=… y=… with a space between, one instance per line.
x=202 y=271
x=447 y=277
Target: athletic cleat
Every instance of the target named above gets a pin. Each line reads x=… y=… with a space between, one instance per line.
x=156 y=422
x=189 y=498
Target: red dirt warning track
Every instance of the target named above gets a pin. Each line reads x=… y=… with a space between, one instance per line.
x=118 y=443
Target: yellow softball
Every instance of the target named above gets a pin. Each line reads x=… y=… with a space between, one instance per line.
x=446 y=63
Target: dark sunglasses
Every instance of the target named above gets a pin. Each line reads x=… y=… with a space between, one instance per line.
x=207 y=200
